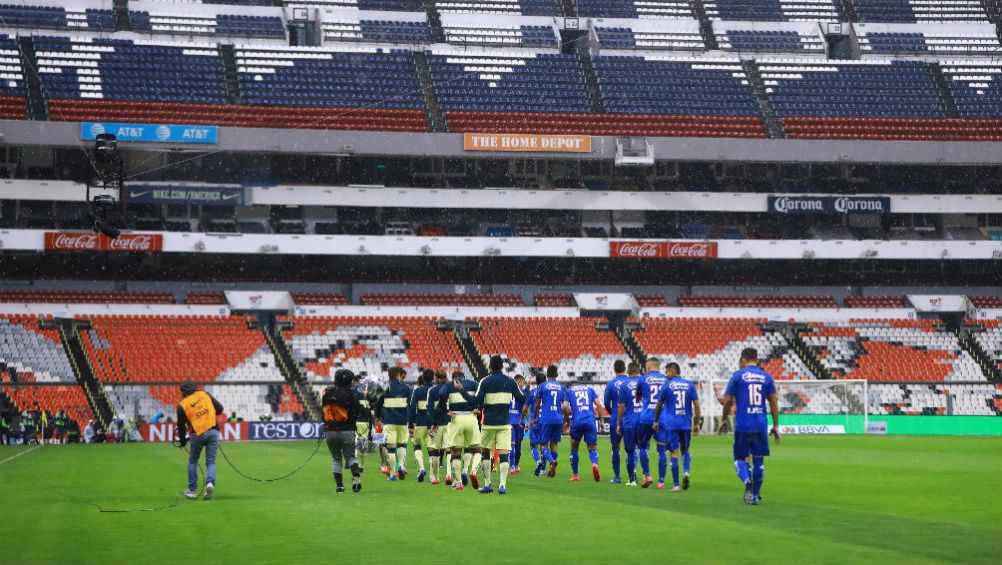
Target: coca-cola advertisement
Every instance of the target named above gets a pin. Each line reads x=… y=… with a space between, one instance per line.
x=88 y=241
x=663 y=249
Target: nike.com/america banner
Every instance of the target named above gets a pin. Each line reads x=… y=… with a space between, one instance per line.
x=201 y=196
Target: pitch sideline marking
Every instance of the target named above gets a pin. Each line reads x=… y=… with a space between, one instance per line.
x=19 y=454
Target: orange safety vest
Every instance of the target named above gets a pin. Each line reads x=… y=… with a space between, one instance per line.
x=200 y=412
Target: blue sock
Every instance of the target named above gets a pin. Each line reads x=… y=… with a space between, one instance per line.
x=758 y=473
x=741 y=466
x=662 y=462
x=553 y=456
x=615 y=461
x=574 y=462
x=631 y=463
x=686 y=461
x=645 y=462
x=674 y=470
x=535 y=455
x=593 y=456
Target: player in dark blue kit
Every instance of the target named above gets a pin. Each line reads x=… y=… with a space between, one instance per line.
x=648 y=388
x=682 y=400
x=610 y=399
x=531 y=420
x=750 y=388
x=517 y=429
x=584 y=406
x=626 y=420
x=549 y=405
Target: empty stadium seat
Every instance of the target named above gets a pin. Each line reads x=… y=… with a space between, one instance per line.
x=627 y=38
x=876 y=301
x=775 y=10
x=318 y=298
x=378 y=5
x=738 y=301
x=662 y=9
x=424 y=299
x=651 y=300
x=57 y=17
x=505 y=7
x=237 y=25
x=553 y=300
x=770 y=41
x=911 y=11
x=13 y=104
x=247 y=401
x=207 y=297
x=986 y=301
x=29 y=354
x=990 y=340
x=85 y=297
x=936 y=399
x=52 y=398
x=928 y=40
x=501 y=34
x=349 y=27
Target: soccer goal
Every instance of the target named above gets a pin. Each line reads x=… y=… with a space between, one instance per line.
x=805 y=407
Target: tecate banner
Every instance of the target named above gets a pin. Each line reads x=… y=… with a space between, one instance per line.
x=89 y=241
x=221 y=196
x=153 y=133
x=824 y=430
x=830 y=204
x=663 y=249
x=285 y=430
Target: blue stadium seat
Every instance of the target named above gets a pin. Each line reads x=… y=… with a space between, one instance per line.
x=775 y=10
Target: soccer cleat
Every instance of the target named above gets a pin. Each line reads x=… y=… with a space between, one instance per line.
x=575 y=478
x=502 y=490
x=539 y=468
x=615 y=481
x=466 y=479
x=661 y=486
x=209 y=488
x=458 y=487
x=474 y=481
x=647 y=482
x=401 y=473
x=486 y=489
x=190 y=494
x=448 y=480
x=595 y=473
x=749 y=492
x=632 y=483
x=339 y=490
x=515 y=471
x=553 y=470
x=391 y=478
x=434 y=481
x=421 y=475
x=685 y=481
x=356 y=487
x=755 y=500
x=676 y=488
x=385 y=470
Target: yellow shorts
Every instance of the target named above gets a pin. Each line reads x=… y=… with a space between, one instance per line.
x=464 y=432
x=440 y=441
x=497 y=437
x=396 y=434
x=362 y=428
x=421 y=436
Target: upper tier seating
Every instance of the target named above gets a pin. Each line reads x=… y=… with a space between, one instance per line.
x=206 y=297
x=575 y=345
x=13 y=105
x=709 y=349
x=345 y=27
x=876 y=302
x=70 y=398
x=506 y=7
x=248 y=401
x=778 y=301
x=369 y=346
x=986 y=301
x=631 y=9
x=930 y=41
x=169 y=349
x=502 y=34
x=990 y=340
x=890 y=350
x=775 y=10
x=258 y=27
x=425 y=299
x=651 y=300
x=976 y=89
x=41 y=17
x=318 y=298
x=563 y=300
x=626 y=38
x=764 y=41
x=931 y=399
x=85 y=297
x=379 y=5
x=910 y=11
x=29 y=354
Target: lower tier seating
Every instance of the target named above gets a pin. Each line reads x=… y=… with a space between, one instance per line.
x=566 y=300
x=990 y=340
x=29 y=354
x=876 y=301
x=651 y=300
x=936 y=399
x=247 y=401
x=318 y=298
x=52 y=398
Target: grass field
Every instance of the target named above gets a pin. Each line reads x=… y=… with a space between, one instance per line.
x=850 y=499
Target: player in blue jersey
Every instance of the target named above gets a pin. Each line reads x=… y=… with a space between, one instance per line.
x=749 y=389
x=648 y=388
x=627 y=414
x=535 y=439
x=682 y=400
x=610 y=399
x=584 y=405
x=517 y=429
x=549 y=405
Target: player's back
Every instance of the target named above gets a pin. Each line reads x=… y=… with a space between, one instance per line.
x=496 y=394
x=582 y=400
x=750 y=387
x=628 y=398
x=515 y=408
x=395 y=403
x=680 y=412
x=551 y=395
x=610 y=397
x=650 y=386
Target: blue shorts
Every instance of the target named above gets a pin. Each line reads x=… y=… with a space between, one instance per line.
x=750 y=443
x=517 y=434
x=679 y=439
x=646 y=431
x=588 y=431
x=550 y=433
x=630 y=439
x=614 y=437
x=534 y=435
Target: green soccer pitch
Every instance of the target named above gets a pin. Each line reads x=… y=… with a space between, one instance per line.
x=848 y=499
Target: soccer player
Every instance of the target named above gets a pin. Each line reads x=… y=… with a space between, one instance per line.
x=515 y=421
x=683 y=404
x=28 y=422
x=535 y=440
x=584 y=406
x=610 y=398
x=198 y=410
x=459 y=400
x=495 y=396
x=438 y=431
x=59 y=430
x=342 y=413
x=627 y=414
x=648 y=388
x=549 y=405
x=417 y=416
x=392 y=414
x=749 y=389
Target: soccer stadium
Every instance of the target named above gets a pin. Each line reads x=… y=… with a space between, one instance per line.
x=566 y=281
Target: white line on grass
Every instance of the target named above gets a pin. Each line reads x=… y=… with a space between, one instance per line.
x=19 y=454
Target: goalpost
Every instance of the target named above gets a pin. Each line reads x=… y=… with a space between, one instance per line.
x=805 y=407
